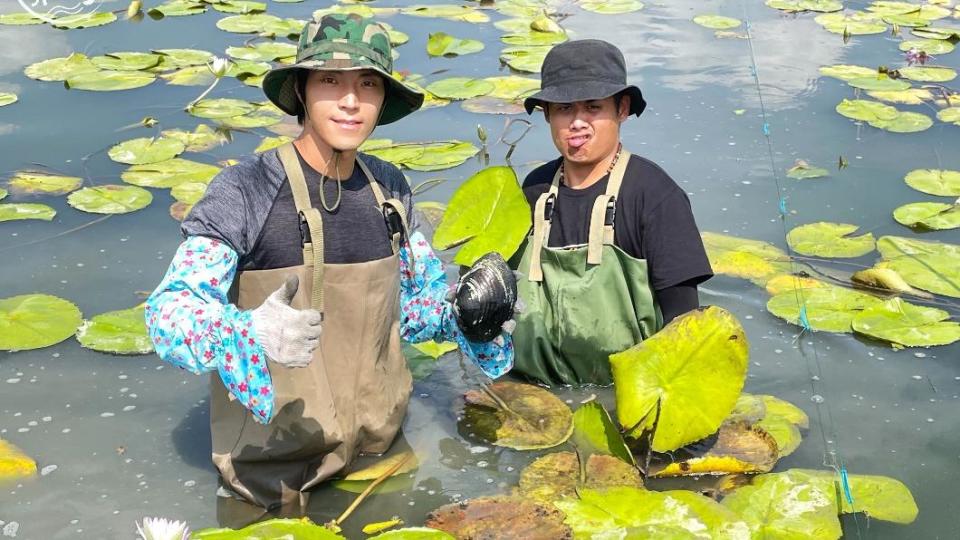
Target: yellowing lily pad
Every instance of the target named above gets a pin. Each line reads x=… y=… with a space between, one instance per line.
x=447 y=11
x=736 y=448
x=20 y=18
x=928 y=73
x=905 y=122
x=265 y=51
x=491 y=105
x=512 y=87
x=412 y=533
x=269 y=143
x=3 y=194
x=791 y=282
x=32 y=321
x=169 y=173
x=830 y=309
x=435 y=350
x=950 y=115
x=929 y=46
x=201 y=139
x=18 y=211
x=460 y=88
x=14 y=463
x=931 y=266
x=717 y=22
x=439 y=156
x=929 y=215
x=525 y=59
x=146 y=150
x=499 y=517
x=780 y=419
x=41 y=182
x=518 y=416
x=60 y=69
x=177 y=8
x=854 y=23
x=911 y=96
x=824 y=239
x=594 y=433
x=262 y=116
x=611 y=7
x=84 y=20
x=171 y=59
x=221 y=108
x=253 y=23
x=847 y=72
x=878 y=82
x=117 y=332
x=941 y=182
x=110 y=199
x=745 y=258
x=533 y=38
x=378 y=469
x=270 y=530
x=885 y=279
x=803 y=170
x=555 y=476
x=908 y=325
x=443 y=44
x=189 y=192
x=7 y=98
x=797 y=6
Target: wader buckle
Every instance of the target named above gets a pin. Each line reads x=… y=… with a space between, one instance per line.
x=393 y=221
x=304 y=229
x=548 y=208
x=611 y=212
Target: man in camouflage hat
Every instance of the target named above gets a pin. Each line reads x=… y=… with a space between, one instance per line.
x=304 y=345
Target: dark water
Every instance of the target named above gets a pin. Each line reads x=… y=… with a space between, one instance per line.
x=123 y=438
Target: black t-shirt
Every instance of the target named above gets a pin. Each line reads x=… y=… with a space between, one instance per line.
x=653 y=220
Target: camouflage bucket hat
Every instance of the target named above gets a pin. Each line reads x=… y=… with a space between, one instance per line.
x=343 y=42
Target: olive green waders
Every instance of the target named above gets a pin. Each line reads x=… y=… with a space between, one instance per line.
x=353 y=395
x=584 y=303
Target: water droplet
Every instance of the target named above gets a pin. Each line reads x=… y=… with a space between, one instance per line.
x=817 y=398
x=189 y=483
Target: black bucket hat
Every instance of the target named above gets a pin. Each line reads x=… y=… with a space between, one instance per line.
x=583 y=70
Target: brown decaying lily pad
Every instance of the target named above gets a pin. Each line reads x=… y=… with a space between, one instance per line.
x=536 y=419
x=736 y=448
x=500 y=517
x=179 y=210
x=555 y=476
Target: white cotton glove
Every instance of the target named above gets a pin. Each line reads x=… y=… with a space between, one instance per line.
x=288 y=336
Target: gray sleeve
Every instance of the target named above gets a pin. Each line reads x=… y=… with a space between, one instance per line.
x=220 y=214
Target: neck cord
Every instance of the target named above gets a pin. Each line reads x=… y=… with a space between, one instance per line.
x=323 y=182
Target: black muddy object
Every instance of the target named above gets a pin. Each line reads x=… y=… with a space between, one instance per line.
x=485 y=297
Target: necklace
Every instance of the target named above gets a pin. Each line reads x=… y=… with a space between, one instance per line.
x=323 y=182
x=613 y=163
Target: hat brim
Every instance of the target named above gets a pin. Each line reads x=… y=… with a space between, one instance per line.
x=585 y=91
x=399 y=100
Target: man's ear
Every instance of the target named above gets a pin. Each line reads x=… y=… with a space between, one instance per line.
x=624 y=111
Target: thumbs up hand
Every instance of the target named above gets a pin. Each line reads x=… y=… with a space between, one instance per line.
x=289 y=336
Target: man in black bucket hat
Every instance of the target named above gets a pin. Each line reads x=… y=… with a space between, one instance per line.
x=615 y=252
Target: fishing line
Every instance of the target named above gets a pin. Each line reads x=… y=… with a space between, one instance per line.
x=832 y=455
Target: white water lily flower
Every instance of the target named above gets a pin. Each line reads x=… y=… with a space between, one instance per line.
x=219 y=66
x=163 y=529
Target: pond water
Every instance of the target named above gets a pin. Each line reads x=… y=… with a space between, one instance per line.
x=119 y=438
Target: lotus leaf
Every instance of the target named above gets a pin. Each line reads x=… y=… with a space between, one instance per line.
x=126 y=61
x=221 y=108
x=846 y=72
x=556 y=476
x=824 y=239
x=19 y=19
x=802 y=170
x=744 y=258
x=951 y=114
x=178 y=58
x=301 y=529
x=170 y=173
x=928 y=73
x=7 y=98
x=442 y=44
x=830 y=309
x=146 y=150
x=905 y=122
x=14 y=464
x=929 y=215
x=253 y=23
x=441 y=156
x=18 y=211
x=491 y=105
x=33 y=321
x=856 y=23
x=717 y=22
x=60 y=69
x=3 y=194
x=177 y=8
x=487 y=213
x=435 y=350
x=594 y=433
x=447 y=11
x=885 y=279
x=512 y=87
x=499 y=517
x=201 y=139
x=263 y=52
x=84 y=20
x=611 y=7
x=626 y=512
x=682 y=382
x=735 y=448
x=41 y=182
x=262 y=116
x=930 y=266
x=460 y=88
x=912 y=96
x=533 y=38
x=791 y=282
x=796 y=6
x=908 y=325
x=109 y=81
x=378 y=469
x=879 y=82
x=269 y=143
x=522 y=416
x=239 y=6
x=110 y=199
x=526 y=59
x=413 y=533
x=929 y=46
x=118 y=332
x=944 y=183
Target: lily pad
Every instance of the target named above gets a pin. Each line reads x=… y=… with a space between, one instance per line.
x=431 y=211
x=126 y=61
x=146 y=150
x=18 y=211
x=60 y=69
x=525 y=59
x=879 y=82
x=885 y=279
x=717 y=22
x=14 y=463
x=109 y=81
x=780 y=419
x=611 y=7
x=907 y=325
x=931 y=266
x=555 y=476
x=950 y=115
x=735 y=449
x=796 y=6
x=435 y=350
x=189 y=193
x=532 y=38
x=847 y=72
x=929 y=215
x=3 y=194
x=201 y=139
x=177 y=8
x=487 y=213
x=41 y=182
x=928 y=73
x=110 y=199
x=443 y=44
x=33 y=321
x=830 y=309
x=912 y=96
x=170 y=173
x=499 y=517
x=856 y=23
x=436 y=157
x=803 y=170
x=221 y=108
x=526 y=418
x=929 y=46
x=512 y=87
x=239 y=6
x=791 y=282
x=931 y=32
x=905 y=122
x=378 y=469
x=460 y=88
x=745 y=258
x=682 y=382
x=7 y=98
x=594 y=433
x=84 y=20
x=271 y=530
x=269 y=143
x=491 y=105
x=944 y=183
x=117 y=332
x=447 y=11
x=824 y=239
x=865 y=110
x=262 y=116
x=19 y=18
x=266 y=51
x=413 y=533
x=254 y=23
x=171 y=59
x=179 y=210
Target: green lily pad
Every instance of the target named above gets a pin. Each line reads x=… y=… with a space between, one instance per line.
x=126 y=61
x=33 y=321
x=912 y=96
x=824 y=239
x=950 y=115
x=171 y=59
x=7 y=98
x=14 y=463
x=829 y=309
x=109 y=81
x=533 y=419
x=525 y=59
x=515 y=25
x=931 y=266
x=177 y=8
x=905 y=122
x=431 y=211
x=512 y=87
x=261 y=116
x=736 y=448
x=662 y=383
x=866 y=111
x=439 y=156
x=447 y=11
x=856 y=23
x=60 y=69
x=170 y=173
x=499 y=517
x=928 y=73
x=611 y=7
x=929 y=46
x=110 y=199
x=20 y=18
x=146 y=150
x=421 y=365
x=3 y=194
x=41 y=182
x=847 y=72
x=594 y=433
x=266 y=51
x=18 y=211
x=796 y=6
x=532 y=38
x=443 y=44
x=435 y=350
x=396 y=154
x=717 y=22
x=932 y=32
x=491 y=105
x=117 y=332
x=189 y=192
x=221 y=108
x=803 y=170
x=269 y=143
x=929 y=215
x=239 y=6
x=878 y=82
x=271 y=529
x=744 y=258
x=556 y=476
x=941 y=182
x=487 y=213
x=201 y=139
x=626 y=512
x=460 y=88
x=907 y=325
x=413 y=533
x=84 y=20
x=254 y=23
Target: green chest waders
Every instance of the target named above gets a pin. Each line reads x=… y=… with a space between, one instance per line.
x=585 y=302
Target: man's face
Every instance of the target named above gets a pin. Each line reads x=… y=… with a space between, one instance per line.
x=343 y=106
x=585 y=132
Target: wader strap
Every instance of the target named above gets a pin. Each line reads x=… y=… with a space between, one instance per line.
x=604 y=211
x=542 y=216
x=313 y=250
x=389 y=207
